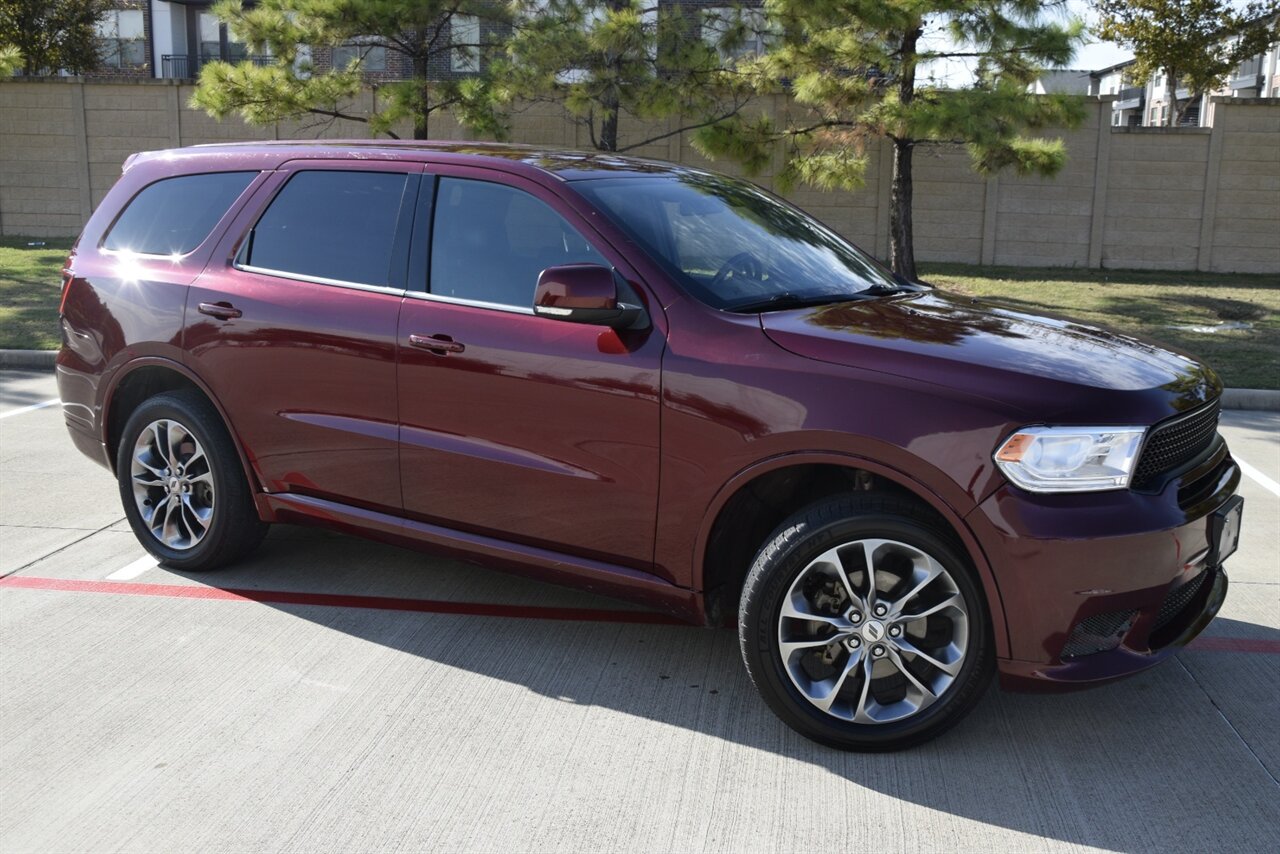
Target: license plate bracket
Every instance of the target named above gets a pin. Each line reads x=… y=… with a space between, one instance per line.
x=1224 y=530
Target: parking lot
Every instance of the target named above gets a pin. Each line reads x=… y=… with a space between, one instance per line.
x=335 y=694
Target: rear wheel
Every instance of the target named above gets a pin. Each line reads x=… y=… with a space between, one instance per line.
x=183 y=489
x=862 y=626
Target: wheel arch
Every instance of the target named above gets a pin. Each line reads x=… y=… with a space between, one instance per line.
x=820 y=474
x=142 y=378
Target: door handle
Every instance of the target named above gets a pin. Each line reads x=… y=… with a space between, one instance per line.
x=220 y=310
x=438 y=344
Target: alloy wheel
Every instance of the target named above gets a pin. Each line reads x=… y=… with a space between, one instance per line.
x=873 y=631
x=172 y=484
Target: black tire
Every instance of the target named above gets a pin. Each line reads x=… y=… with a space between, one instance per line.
x=234 y=528
x=791 y=548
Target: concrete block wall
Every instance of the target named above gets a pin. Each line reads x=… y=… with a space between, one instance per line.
x=1244 y=231
x=1183 y=199
x=43 y=164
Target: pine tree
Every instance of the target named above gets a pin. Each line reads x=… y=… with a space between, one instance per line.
x=422 y=33
x=854 y=69
x=617 y=67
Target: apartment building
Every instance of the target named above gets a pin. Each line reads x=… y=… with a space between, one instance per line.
x=175 y=38
x=1149 y=104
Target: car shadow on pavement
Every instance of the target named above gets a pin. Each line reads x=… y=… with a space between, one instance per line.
x=1137 y=765
x=18 y=387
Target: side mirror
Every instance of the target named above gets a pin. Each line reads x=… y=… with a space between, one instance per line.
x=583 y=293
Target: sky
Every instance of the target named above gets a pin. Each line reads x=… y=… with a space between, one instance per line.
x=1091 y=56
x=1098 y=54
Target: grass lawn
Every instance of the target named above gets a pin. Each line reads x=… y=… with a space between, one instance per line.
x=1149 y=304
x=30 y=288
x=1146 y=303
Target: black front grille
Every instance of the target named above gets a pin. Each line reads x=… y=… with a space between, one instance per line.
x=1176 y=443
x=1178 y=600
x=1098 y=633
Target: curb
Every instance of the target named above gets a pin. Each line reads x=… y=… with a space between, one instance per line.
x=27 y=358
x=1259 y=399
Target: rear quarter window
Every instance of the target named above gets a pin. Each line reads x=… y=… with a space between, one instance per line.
x=175 y=215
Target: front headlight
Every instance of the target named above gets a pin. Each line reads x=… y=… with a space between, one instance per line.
x=1070 y=459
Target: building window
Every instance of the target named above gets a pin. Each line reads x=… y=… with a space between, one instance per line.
x=1115 y=119
x=736 y=32
x=1164 y=114
x=372 y=57
x=464 y=32
x=122 y=41
x=210 y=32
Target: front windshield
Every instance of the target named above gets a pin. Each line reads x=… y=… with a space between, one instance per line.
x=732 y=245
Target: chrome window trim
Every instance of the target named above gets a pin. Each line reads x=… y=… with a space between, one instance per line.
x=173 y=257
x=319 y=280
x=473 y=303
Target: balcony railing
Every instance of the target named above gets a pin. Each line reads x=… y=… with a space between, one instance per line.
x=187 y=65
x=1247 y=74
x=1130 y=98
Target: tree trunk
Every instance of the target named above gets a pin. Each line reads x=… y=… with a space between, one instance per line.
x=901 y=240
x=902 y=252
x=1172 y=84
x=1192 y=99
x=423 y=111
x=610 y=98
x=608 y=139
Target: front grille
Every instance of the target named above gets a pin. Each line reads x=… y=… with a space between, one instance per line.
x=1098 y=633
x=1178 y=600
x=1175 y=443
x=1192 y=492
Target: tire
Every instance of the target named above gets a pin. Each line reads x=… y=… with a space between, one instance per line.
x=204 y=519
x=814 y=564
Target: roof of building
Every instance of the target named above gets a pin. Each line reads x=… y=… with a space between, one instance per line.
x=1110 y=68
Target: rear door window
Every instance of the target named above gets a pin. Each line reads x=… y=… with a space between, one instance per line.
x=332 y=225
x=174 y=216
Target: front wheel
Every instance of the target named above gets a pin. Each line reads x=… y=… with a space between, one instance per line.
x=183 y=489
x=863 y=627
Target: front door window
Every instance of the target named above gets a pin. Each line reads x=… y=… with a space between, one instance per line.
x=491 y=242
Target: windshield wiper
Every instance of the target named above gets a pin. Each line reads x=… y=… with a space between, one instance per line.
x=882 y=290
x=787 y=300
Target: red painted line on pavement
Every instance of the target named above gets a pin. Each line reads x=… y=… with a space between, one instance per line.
x=336 y=600
x=438 y=606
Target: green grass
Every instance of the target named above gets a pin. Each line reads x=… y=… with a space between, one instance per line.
x=1145 y=303
x=30 y=288
x=1149 y=304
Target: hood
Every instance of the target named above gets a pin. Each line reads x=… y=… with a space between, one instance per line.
x=1045 y=367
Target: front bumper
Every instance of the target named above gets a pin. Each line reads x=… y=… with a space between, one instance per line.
x=1100 y=586
x=1139 y=647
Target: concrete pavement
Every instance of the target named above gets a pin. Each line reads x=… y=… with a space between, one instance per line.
x=144 y=719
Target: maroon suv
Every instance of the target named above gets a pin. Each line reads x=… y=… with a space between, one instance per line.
x=652 y=382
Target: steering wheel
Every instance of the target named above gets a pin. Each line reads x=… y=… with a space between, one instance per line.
x=744 y=265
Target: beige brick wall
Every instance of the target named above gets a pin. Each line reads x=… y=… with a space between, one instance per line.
x=1246 y=221
x=1195 y=198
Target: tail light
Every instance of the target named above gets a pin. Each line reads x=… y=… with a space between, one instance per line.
x=67 y=277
